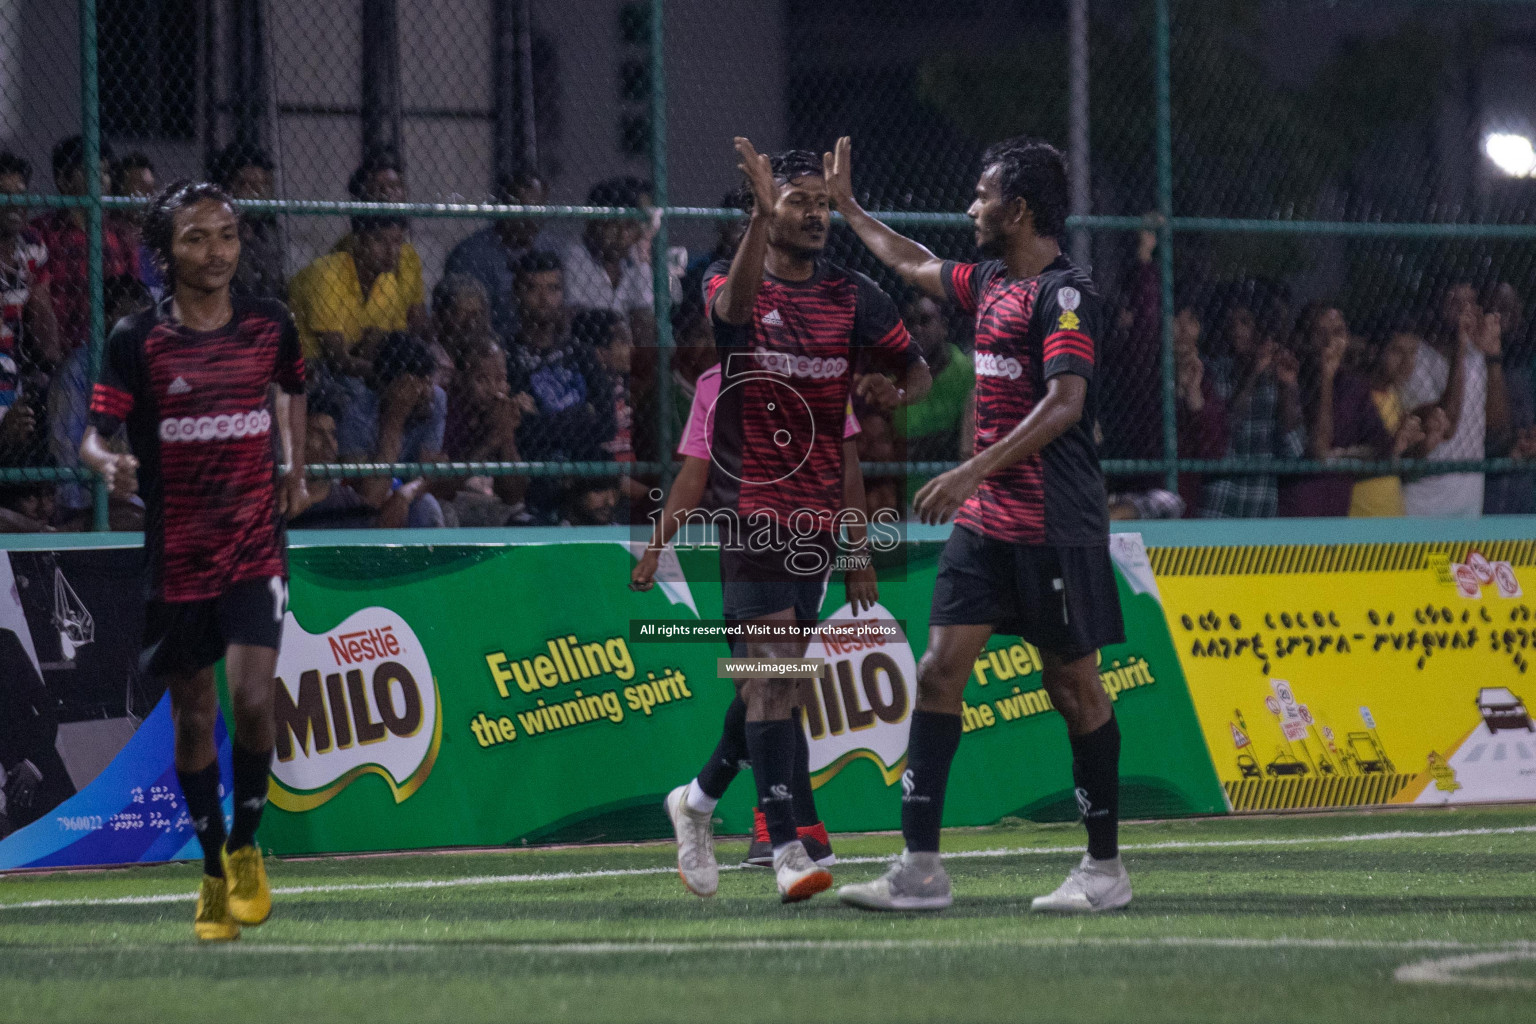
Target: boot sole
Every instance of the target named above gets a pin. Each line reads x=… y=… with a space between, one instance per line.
x=1073 y=910
x=928 y=903
x=684 y=878
x=250 y=924
x=805 y=888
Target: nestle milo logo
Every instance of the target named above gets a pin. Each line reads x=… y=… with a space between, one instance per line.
x=355 y=700
x=364 y=645
x=861 y=706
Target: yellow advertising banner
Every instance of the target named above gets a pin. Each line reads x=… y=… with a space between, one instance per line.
x=1357 y=674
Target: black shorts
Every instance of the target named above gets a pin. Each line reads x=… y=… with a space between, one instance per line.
x=186 y=636
x=1063 y=600
x=753 y=586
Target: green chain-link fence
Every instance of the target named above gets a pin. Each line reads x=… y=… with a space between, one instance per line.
x=1233 y=162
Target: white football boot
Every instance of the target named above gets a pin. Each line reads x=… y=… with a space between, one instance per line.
x=798 y=876
x=1092 y=887
x=695 y=833
x=917 y=881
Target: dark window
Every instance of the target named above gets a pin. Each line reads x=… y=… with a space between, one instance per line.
x=148 y=69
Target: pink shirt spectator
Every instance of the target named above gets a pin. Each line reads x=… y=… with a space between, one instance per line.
x=701 y=416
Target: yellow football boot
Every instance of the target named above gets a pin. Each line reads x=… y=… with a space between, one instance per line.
x=250 y=898
x=213 y=923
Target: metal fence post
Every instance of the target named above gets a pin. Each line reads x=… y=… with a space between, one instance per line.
x=1164 y=62
x=660 y=274
x=1077 y=131
x=90 y=131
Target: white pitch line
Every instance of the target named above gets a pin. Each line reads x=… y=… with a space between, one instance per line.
x=1447 y=970
x=564 y=876
x=1488 y=952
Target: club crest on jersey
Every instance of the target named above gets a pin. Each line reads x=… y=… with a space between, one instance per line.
x=862 y=703
x=355 y=700
x=1069 y=298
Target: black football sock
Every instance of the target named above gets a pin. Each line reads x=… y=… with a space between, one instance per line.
x=1096 y=773
x=800 y=788
x=772 y=747
x=725 y=763
x=931 y=749
x=251 y=771
x=200 y=789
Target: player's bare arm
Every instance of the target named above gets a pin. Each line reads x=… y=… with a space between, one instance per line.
x=687 y=491
x=734 y=301
x=880 y=391
x=293 y=415
x=1061 y=407
x=119 y=471
x=860 y=584
x=915 y=264
x=43 y=324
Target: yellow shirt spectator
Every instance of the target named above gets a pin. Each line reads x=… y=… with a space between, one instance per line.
x=408 y=267
x=1381 y=495
x=327 y=298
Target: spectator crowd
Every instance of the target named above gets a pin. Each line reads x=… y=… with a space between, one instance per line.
x=537 y=345
x=1258 y=378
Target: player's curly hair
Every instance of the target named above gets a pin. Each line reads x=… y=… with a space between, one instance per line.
x=787 y=166
x=160 y=221
x=1035 y=171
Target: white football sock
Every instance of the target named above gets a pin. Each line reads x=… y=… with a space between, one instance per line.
x=698 y=801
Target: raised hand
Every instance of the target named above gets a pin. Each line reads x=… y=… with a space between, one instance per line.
x=1409 y=433
x=837 y=170
x=1287 y=369
x=1189 y=371
x=17 y=427
x=1437 y=426
x=759 y=172
x=1264 y=356
x=1333 y=354
x=1489 y=337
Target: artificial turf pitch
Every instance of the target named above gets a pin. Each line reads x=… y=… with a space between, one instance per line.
x=1405 y=916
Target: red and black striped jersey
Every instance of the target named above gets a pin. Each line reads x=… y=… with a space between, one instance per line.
x=1028 y=331
x=201 y=422
x=776 y=444
x=28 y=270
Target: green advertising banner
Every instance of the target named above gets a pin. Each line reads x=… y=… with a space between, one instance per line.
x=486 y=695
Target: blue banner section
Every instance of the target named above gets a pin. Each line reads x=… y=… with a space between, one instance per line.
x=133 y=812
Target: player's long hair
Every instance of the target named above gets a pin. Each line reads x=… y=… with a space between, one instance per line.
x=160 y=221
x=1035 y=171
